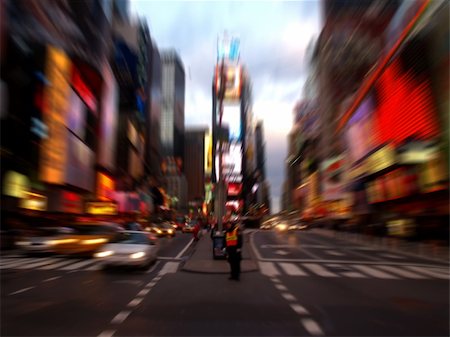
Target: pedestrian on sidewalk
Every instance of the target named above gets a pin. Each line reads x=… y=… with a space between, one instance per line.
x=233 y=242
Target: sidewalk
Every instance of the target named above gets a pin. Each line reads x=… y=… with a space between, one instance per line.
x=201 y=260
x=418 y=249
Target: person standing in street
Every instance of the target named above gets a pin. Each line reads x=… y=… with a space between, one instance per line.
x=233 y=242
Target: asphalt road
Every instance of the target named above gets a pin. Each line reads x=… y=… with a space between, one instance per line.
x=308 y=284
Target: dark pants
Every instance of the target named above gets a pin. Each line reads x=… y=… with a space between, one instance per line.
x=234 y=259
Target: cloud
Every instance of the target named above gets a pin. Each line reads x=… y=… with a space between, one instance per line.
x=274 y=37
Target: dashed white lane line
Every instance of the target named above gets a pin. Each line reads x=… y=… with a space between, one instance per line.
x=280 y=287
x=21 y=291
x=120 y=317
x=135 y=302
x=334 y=253
x=288 y=297
x=107 y=333
x=169 y=267
x=312 y=327
x=52 y=279
x=143 y=292
x=299 y=309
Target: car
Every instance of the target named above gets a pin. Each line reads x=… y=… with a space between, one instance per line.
x=180 y=222
x=189 y=227
x=298 y=227
x=129 y=248
x=41 y=240
x=161 y=229
x=133 y=226
x=85 y=238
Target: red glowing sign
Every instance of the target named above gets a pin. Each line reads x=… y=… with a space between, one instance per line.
x=406 y=108
x=234 y=189
x=84 y=91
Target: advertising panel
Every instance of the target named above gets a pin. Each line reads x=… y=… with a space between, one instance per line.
x=333 y=178
x=101 y=208
x=208 y=154
x=105 y=187
x=232 y=118
x=228 y=48
x=76 y=115
x=79 y=170
x=233 y=83
x=234 y=189
x=56 y=97
x=108 y=120
x=232 y=163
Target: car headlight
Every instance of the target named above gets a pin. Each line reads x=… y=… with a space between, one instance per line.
x=104 y=254
x=282 y=227
x=158 y=231
x=61 y=241
x=137 y=255
x=94 y=241
x=147 y=229
x=170 y=231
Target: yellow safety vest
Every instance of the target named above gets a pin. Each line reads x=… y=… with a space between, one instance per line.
x=232 y=238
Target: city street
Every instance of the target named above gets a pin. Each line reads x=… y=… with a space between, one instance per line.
x=308 y=284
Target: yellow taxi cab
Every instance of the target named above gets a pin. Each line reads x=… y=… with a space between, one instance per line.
x=85 y=238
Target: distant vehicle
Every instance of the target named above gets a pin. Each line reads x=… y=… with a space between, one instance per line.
x=180 y=222
x=161 y=229
x=41 y=240
x=189 y=227
x=129 y=248
x=133 y=226
x=85 y=238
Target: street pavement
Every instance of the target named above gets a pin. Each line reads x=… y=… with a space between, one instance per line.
x=304 y=283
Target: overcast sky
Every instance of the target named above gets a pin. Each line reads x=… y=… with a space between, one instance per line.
x=274 y=36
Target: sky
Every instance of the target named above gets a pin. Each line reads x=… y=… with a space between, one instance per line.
x=274 y=36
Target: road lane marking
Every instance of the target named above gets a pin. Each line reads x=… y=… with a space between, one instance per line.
x=107 y=333
x=289 y=297
x=97 y=266
x=169 y=267
x=42 y=262
x=281 y=287
x=319 y=270
x=275 y=280
x=312 y=327
x=401 y=272
x=21 y=291
x=18 y=262
x=428 y=272
x=268 y=269
x=252 y=244
x=353 y=274
x=143 y=292
x=185 y=249
x=299 y=309
x=374 y=272
x=334 y=253
x=52 y=279
x=314 y=256
x=80 y=264
x=57 y=264
x=135 y=302
x=392 y=256
x=120 y=317
x=292 y=269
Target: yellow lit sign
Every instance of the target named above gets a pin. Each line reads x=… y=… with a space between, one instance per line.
x=105 y=187
x=101 y=208
x=54 y=148
x=208 y=154
x=381 y=159
x=34 y=201
x=15 y=184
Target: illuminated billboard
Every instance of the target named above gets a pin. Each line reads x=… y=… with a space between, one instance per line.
x=232 y=118
x=234 y=189
x=232 y=82
x=208 y=154
x=56 y=98
x=228 y=48
x=232 y=160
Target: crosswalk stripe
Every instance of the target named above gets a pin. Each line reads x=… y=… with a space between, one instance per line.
x=401 y=272
x=392 y=256
x=292 y=269
x=319 y=270
x=429 y=272
x=42 y=262
x=80 y=264
x=17 y=262
x=268 y=268
x=334 y=253
x=57 y=264
x=353 y=274
x=374 y=272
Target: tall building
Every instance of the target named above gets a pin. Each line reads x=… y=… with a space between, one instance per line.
x=195 y=147
x=172 y=116
x=172 y=126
